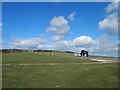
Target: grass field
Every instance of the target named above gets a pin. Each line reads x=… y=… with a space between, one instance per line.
x=62 y=70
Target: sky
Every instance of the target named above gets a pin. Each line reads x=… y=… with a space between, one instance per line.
x=64 y=26
x=60 y=0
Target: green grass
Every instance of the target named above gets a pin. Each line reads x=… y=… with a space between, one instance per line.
x=62 y=75
x=101 y=56
x=40 y=58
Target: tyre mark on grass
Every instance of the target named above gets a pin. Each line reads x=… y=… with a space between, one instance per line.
x=27 y=64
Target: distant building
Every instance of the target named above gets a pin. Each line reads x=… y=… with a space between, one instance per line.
x=83 y=53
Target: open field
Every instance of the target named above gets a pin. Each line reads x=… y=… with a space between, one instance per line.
x=62 y=70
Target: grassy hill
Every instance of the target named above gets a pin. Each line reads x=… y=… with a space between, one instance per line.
x=60 y=70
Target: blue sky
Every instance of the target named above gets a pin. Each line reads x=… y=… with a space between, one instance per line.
x=78 y=25
x=31 y=19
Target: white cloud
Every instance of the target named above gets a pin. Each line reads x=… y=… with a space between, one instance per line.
x=110 y=22
x=111 y=7
x=75 y=45
x=63 y=45
x=59 y=28
x=44 y=47
x=118 y=42
x=0 y=28
x=1 y=35
x=27 y=43
x=58 y=45
x=105 y=46
x=57 y=37
x=72 y=16
x=42 y=35
x=0 y=24
x=83 y=41
x=101 y=46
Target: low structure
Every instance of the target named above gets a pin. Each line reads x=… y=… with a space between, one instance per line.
x=83 y=53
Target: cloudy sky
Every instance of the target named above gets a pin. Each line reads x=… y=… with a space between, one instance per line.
x=62 y=26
